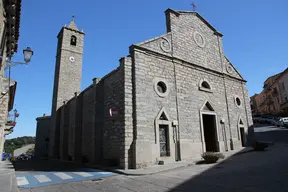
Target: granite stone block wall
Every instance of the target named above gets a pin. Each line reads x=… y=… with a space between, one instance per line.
x=42 y=133
x=192 y=54
x=127 y=158
x=189 y=54
x=88 y=122
x=91 y=133
x=71 y=128
x=113 y=126
x=98 y=122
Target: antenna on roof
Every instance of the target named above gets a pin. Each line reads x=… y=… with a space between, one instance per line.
x=193 y=6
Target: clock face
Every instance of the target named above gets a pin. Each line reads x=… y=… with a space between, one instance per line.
x=72 y=59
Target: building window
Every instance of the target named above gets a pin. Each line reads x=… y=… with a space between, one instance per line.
x=238 y=102
x=283 y=86
x=205 y=86
x=164 y=141
x=161 y=87
x=73 y=40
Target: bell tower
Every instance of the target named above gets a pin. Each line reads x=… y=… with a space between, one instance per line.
x=68 y=69
x=67 y=77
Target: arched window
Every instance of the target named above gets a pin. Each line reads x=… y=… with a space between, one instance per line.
x=73 y=40
x=205 y=85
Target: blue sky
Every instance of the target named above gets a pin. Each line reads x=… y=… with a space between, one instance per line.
x=255 y=41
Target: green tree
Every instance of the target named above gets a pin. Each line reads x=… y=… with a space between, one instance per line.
x=30 y=151
x=11 y=144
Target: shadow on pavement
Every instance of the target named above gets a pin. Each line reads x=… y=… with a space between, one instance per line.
x=46 y=165
x=247 y=170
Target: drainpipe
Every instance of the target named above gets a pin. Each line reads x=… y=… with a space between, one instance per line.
x=227 y=108
x=177 y=131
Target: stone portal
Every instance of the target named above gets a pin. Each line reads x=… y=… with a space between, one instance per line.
x=210 y=134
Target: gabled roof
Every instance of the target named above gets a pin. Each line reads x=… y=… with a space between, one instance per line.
x=196 y=14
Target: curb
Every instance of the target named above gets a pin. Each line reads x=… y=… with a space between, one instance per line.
x=9 y=171
x=184 y=164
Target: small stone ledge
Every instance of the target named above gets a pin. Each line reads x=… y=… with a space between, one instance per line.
x=206 y=90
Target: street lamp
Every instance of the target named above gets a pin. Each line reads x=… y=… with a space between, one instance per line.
x=27 y=54
x=27 y=58
x=9 y=63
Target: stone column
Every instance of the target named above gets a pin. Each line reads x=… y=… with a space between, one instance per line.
x=127 y=161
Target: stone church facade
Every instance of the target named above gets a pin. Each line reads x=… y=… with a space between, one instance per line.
x=173 y=98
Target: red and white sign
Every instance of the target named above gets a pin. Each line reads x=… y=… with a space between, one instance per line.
x=113 y=112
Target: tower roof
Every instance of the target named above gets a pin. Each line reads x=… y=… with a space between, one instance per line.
x=72 y=24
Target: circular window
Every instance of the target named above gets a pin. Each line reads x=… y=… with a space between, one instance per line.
x=161 y=87
x=238 y=101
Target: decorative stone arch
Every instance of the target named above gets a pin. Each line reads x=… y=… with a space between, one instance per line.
x=208 y=109
x=207 y=106
x=241 y=130
x=205 y=85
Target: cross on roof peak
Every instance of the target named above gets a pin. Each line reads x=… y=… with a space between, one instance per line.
x=72 y=24
x=193 y=6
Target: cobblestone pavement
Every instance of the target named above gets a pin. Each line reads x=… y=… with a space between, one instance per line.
x=265 y=171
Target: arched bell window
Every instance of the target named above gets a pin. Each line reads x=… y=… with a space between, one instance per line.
x=73 y=40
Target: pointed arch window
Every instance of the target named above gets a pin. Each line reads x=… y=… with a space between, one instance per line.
x=73 y=40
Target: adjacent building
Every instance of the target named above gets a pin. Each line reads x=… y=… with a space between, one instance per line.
x=9 y=34
x=172 y=98
x=273 y=100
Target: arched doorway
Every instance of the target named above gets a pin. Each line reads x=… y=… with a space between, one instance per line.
x=209 y=129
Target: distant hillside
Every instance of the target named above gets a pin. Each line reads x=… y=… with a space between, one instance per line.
x=15 y=143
